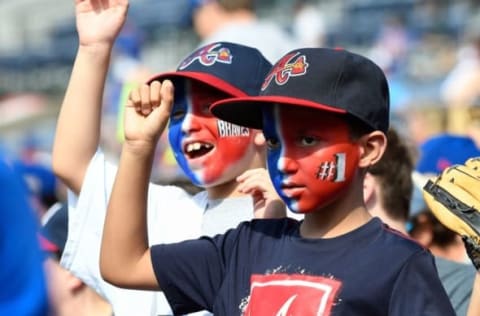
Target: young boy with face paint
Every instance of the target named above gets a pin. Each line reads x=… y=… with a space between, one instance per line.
x=211 y=152
x=324 y=114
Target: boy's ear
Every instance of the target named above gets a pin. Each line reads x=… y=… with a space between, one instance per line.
x=259 y=138
x=372 y=147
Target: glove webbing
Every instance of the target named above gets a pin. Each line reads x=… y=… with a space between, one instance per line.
x=473 y=251
x=467 y=214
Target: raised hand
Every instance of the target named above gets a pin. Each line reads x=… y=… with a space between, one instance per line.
x=147 y=113
x=99 y=21
x=257 y=183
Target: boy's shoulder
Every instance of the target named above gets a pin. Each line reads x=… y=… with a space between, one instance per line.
x=400 y=238
x=274 y=223
x=275 y=227
x=374 y=236
x=396 y=244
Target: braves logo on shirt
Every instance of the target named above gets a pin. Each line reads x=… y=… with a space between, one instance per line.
x=288 y=66
x=208 y=56
x=297 y=294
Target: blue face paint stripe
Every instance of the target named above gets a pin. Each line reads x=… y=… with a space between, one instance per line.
x=176 y=134
x=273 y=128
x=291 y=203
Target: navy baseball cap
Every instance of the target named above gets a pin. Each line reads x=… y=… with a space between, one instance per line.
x=333 y=80
x=235 y=69
x=54 y=232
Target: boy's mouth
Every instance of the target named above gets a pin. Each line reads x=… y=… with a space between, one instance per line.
x=197 y=149
x=292 y=190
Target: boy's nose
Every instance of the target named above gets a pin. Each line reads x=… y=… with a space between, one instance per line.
x=191 y=124
x=287 y=165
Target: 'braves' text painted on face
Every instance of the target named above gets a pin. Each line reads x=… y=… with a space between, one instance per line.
x=311 y=158
x=226 y=129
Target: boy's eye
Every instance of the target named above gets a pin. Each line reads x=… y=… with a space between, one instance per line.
x=273 y=143
x=206 y=108
x=308 y=141
x=178 y=114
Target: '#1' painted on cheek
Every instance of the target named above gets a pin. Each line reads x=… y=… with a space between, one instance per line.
x=332 y=170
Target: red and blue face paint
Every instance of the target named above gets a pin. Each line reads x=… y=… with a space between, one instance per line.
x=210 y=151
x=311 y=158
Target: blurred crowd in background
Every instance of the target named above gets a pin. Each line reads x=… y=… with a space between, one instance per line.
x=429 y=50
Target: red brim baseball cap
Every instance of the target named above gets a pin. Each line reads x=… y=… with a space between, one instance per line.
x=247 y=111
x=331 y=80
x=205 y=78
x=235 y=69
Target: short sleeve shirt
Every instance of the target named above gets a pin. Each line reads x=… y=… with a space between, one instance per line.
x=264 y=267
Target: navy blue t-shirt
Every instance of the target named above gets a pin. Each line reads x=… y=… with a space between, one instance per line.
x=264 y=267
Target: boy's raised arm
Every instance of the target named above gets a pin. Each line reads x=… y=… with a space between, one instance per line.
x=125 y=255
x=78 y=127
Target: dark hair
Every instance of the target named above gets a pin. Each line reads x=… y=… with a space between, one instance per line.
x=357 y=128
x=234 y=5
x=394 y=173
x=441 y=235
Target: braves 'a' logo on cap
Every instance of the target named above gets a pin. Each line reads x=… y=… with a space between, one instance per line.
x=208 y=56
x=289 y=66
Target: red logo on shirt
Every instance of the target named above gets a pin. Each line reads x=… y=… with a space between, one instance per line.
x=208 y=56
x=287 y=67
x=297 y=294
